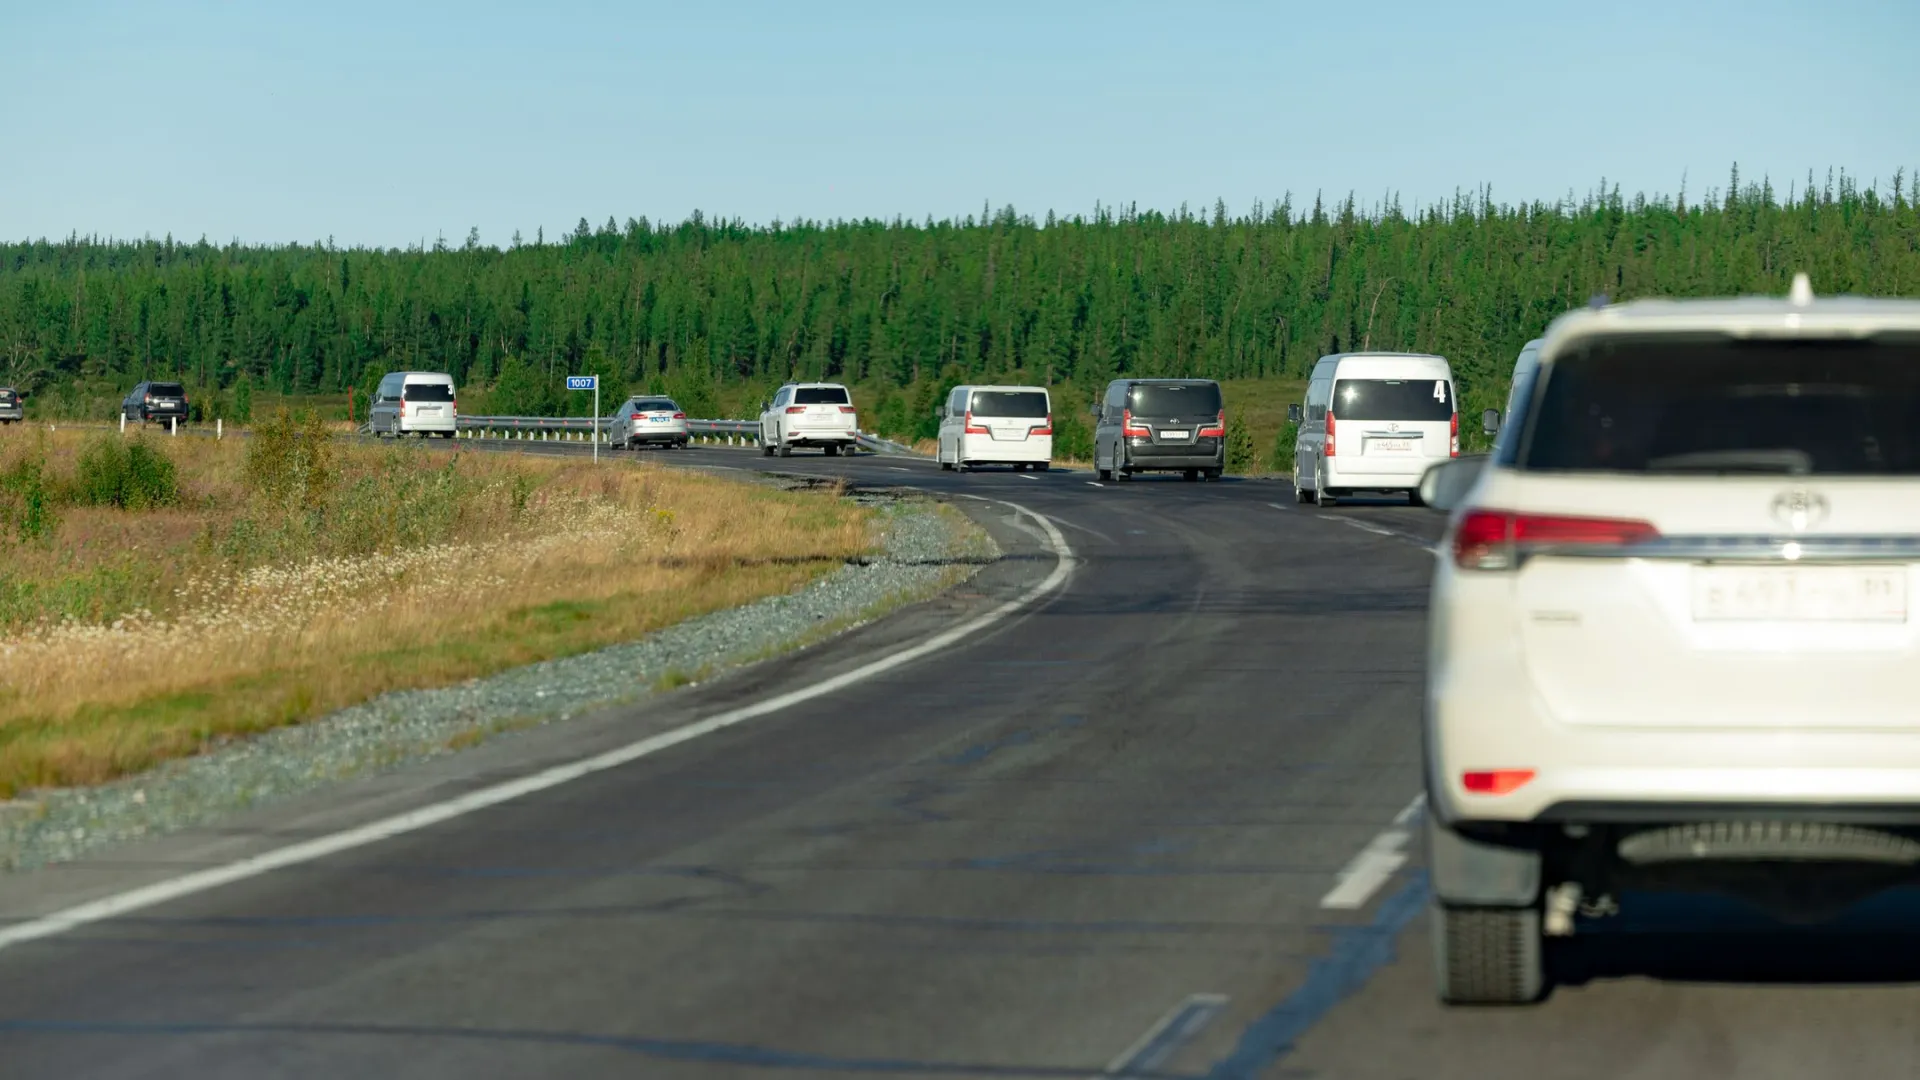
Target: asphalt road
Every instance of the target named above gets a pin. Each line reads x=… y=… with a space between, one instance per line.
x=1102 y=834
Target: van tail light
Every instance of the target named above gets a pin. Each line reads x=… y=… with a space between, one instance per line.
x=1042 y=429
x=403 y=408
x=1219 y=428
x=1453 y=435
x=1495 y=539
x=1127 y=428
x=791 y=409
x=1495 y=781
x=1329 y=431
x=976 y=429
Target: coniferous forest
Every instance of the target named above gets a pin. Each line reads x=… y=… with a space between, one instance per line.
x=715 y=310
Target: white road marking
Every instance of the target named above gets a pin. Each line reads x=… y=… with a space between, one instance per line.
x=1167 y=1036
x=1026 y=476
x=899 y=468
x=1278 y=506
x=1366 y=527
x=1095 y=483
x=1377 y=862
x=161 y=892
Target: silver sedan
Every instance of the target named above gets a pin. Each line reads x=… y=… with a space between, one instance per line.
x=649 y=421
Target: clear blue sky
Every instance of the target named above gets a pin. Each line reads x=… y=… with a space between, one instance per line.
x=383 y=123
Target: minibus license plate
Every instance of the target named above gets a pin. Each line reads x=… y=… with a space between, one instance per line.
x=1174 y=435
x=1392 y=446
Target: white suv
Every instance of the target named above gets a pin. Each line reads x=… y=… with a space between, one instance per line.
x=1671 y=636
x=808 y=414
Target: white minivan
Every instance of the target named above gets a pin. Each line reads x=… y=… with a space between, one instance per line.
x=1524 y=370
x=414 y=403
x=996 y=425
x=1373 y=422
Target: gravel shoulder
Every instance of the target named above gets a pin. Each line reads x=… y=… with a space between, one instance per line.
x=927 y=547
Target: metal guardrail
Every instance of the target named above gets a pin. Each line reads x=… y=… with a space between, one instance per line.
x=587 y=428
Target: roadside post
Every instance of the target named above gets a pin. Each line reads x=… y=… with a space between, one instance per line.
x=590 y=382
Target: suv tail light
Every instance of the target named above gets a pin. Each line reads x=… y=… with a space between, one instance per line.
x=975 y=429
x=1330 y=431
x=1219 y=428
x=1127 y=430
x=1495 y=539
x=791 y=409
x=1453 y=435
x=848 y=409
x=1495 y=781
x=1042 y=429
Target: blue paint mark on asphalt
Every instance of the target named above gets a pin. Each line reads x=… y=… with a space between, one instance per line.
x=979 y=752
x=744 y=1055
x=1358 y=952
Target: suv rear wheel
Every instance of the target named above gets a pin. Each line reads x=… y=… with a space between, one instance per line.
x=1488 y=956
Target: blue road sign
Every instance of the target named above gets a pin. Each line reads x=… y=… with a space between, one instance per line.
x=583 y=382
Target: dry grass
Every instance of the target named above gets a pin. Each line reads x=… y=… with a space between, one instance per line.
x=152 y=635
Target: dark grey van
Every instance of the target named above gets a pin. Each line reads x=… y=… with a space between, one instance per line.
x=1160 y=425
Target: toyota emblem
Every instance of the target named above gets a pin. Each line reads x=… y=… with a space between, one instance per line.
x=1800 y=510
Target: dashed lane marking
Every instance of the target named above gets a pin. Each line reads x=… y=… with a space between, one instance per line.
x=1376 y=863
x=1167 y=1036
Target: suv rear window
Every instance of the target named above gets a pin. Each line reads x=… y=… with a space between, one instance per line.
x=1392 y=399
x=1197 y=399
x=166 y=389
x=820 y=395
x=1024 y=404
x=1714 y=405
x=6 y=394
x=427 y=391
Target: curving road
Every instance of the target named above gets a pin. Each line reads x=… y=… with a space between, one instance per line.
x=1156 y=823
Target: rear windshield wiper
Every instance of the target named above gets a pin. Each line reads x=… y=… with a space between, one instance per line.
x=1791 y=462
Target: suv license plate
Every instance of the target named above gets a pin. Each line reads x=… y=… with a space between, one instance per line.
x=1799 y=594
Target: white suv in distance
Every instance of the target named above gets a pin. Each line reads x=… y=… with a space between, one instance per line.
x=649 y=421
x=1671 y=635
x=808 y=414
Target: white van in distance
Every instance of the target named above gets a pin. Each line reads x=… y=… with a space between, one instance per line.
x=996 y=425
x=1524 y=370
x=414 y=403
x=1373 y=422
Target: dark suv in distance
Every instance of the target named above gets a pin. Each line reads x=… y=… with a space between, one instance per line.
x=1160 y=425
x=13 y=408
x=156 y=403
